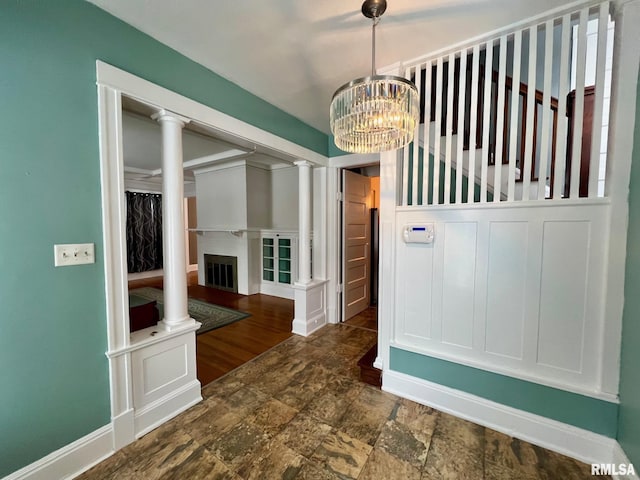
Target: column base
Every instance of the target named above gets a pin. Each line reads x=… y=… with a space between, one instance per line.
x=186 y=322
x=310 y=307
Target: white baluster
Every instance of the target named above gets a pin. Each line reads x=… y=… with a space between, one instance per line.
x=515 y=115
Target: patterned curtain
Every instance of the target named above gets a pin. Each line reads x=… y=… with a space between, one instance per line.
x=144 y=231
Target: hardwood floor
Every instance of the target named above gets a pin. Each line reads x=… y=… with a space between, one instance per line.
x=221 y=350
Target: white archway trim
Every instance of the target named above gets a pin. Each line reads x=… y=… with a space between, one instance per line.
x=134 y=358
x=147 y=92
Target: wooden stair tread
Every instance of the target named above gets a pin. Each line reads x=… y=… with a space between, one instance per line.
x=368 y=373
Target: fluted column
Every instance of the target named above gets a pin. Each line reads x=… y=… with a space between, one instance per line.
x=304 y=221
x=173 y=242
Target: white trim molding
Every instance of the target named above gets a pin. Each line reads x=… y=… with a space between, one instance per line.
x=71 y=460
x=150 y=93
x=148 y=387
x=624 y=88
x=559 y=437
x=620 y=458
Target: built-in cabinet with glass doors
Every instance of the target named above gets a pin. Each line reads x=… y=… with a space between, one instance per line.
x=278 y=264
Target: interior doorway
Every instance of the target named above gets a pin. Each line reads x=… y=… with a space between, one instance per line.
x=359 y=245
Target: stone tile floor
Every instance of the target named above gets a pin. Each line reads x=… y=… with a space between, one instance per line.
x=299 y=412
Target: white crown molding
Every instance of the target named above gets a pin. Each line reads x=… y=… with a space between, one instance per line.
x=222 y=166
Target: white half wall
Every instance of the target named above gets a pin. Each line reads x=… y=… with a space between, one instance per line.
x=517 y=291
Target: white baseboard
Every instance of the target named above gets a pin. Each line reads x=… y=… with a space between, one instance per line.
x=70 y=460
x=307 y=327
x=281 y=291
x=156 y=413
x=123 y=431
x=560 y=437
x=620 y=458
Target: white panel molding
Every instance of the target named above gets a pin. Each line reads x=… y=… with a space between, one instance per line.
x=559 y=437
x=458 y=282
x=568 y=338
x=164 y=409
x=506 y=290
x=71 y=460
x=310 y=307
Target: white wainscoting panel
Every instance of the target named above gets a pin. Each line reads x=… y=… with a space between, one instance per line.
x=161 y=368
x=164 y=381
x=518 y=291
x=506 y=283
x=414 y=306
x=565 y=252
x=164 y=367
x=458 y=283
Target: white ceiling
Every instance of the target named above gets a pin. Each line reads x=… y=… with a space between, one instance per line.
x=296 y=53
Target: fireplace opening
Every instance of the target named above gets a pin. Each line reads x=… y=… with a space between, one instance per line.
x=221 y=271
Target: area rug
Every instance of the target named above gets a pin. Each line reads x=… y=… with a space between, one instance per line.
x=209 y=315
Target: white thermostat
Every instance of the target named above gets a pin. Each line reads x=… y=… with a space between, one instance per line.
x=423 y=233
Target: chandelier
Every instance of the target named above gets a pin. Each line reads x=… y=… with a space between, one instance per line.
x=376 y=113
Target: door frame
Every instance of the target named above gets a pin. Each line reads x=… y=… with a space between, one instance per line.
x=334 y=232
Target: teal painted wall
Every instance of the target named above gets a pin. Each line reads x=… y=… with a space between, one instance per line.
x=333 y=150
x=629 y=420
x=452 y=183
x=53 y=371
x=584 y=412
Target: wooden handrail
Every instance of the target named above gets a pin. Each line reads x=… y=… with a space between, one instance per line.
x=523 y=92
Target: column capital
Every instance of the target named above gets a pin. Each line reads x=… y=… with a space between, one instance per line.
x=167 y=116
x=303 y=163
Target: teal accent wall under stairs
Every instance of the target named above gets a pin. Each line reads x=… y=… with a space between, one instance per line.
x=581 y=411
x=454 y=173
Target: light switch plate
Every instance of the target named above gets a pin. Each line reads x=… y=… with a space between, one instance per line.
x=74 y=254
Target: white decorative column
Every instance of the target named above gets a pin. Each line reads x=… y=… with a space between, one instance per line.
x=310 y=295
x=304 y=221
x=173 y=239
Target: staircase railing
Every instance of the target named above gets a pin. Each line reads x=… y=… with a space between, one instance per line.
x=487 y=144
